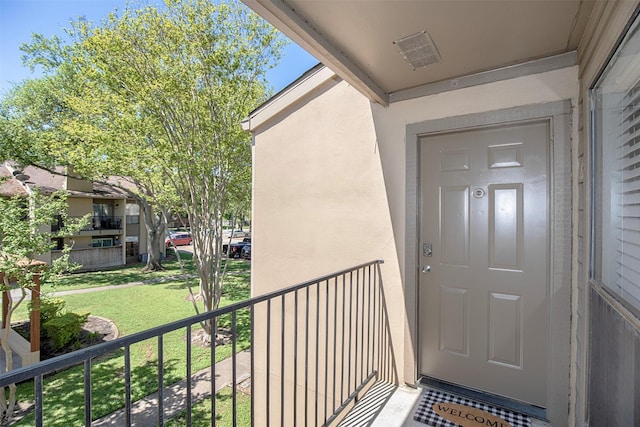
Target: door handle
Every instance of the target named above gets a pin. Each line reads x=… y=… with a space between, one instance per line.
x=426 y=269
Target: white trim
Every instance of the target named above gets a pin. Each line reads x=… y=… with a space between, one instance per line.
x=543 y=65
x=289 y=96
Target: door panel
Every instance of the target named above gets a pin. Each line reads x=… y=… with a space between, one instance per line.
x=483 y=304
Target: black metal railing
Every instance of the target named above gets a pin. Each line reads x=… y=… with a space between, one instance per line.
x=316 y=346
x=97 y=222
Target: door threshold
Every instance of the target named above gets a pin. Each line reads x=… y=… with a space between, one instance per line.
x=483 y=396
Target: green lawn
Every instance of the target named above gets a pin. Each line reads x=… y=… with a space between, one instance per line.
x=201 y=414
x=133 y=273
x=134 y=309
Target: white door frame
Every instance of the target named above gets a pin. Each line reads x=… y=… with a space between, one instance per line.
x=559 y=116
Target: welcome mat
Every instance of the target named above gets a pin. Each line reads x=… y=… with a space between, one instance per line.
x=440 y=409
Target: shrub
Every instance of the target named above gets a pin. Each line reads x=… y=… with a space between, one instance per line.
x=65 y=328
x=50 y=308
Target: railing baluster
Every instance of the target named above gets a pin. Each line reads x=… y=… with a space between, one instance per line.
x=87 y=392
x=335 y=341
x=317 y=349
x=127 y=385
x=282 y=356
x=379 y=324
x=188 y=391
x=362 y=311
x=234 y=366
x=306 y=362
x=326 y=349
x=253 y=370
x=369 y=346
x=214 y=329
x=160 y=381
x=357 y=314
x=350 y=354
x=295 y=357
x=342 y=346
x=268 y=392
x=38 y=399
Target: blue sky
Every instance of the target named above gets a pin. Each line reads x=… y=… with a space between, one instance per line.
x=21 y=18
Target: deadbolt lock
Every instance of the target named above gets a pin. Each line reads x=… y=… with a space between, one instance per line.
x=426 y=249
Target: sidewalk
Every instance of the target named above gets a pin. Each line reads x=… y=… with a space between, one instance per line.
x=144 y=412
x=15 y=293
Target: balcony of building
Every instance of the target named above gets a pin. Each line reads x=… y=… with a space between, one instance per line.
x=304 y=355
x=314 y=354
x=95 y=223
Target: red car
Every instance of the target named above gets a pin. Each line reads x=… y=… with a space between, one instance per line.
x=178 y=239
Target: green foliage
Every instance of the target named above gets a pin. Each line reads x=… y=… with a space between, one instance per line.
x=61 y=326
x=173 y=84
x=49 y=308
x=25 y=236
x=65 y=328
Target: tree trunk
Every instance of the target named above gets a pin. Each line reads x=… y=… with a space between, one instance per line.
x=156 y=226
x=7 y=406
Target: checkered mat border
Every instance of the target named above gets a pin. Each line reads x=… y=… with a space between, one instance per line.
x=424 y=413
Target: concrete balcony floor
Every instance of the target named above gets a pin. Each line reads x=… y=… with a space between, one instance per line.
x=386 y=405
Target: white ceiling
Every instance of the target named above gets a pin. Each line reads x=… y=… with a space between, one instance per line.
x=355 y=37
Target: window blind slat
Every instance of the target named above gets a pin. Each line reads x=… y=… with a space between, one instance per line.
x=628 y=288
x=631 y=162
x=629 y=263
x=630 y=186
x=630 y=211
x=630 y=200
x=629 y=224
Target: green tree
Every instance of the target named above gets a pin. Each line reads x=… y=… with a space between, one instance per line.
x=25 y=236
x=157 y=96
x=38 y=126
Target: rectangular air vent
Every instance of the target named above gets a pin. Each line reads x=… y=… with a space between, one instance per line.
x=418 y=50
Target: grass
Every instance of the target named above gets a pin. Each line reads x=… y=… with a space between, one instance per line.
x=201 y=413
x=133 y=273
x=134 y=309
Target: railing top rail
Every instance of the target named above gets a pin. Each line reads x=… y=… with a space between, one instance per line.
x=69 y=359
x=302 y=285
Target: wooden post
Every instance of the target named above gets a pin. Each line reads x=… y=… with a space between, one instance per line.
x=34 y=332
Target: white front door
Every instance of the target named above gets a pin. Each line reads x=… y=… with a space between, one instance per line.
x=483 y=291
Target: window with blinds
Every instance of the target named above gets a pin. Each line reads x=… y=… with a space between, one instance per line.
x=616 y=173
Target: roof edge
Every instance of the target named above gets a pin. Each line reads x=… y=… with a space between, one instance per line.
x=302 y=86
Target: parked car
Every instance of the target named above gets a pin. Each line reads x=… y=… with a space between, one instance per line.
x=178 y=239
x=246 y=251
x=238 y=233
x=234 y=250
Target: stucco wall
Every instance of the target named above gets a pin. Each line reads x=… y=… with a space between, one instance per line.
x=79 y=206
x=318 y=196
x=319 y=207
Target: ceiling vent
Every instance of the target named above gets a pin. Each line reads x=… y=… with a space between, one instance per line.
x=418 y=50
